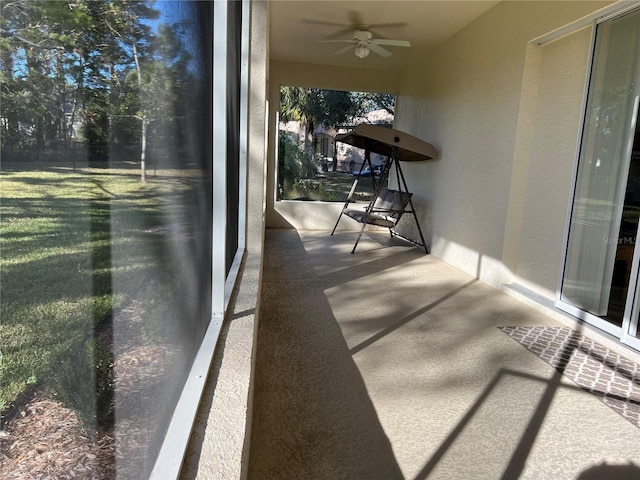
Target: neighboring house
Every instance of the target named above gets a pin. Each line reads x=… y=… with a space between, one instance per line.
x=324 y=146
x=348 y=154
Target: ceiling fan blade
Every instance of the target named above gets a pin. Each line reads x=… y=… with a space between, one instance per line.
x=313 y=21
x=345 y=49
x=379 y=50
x=335 y=41
x=392 y=43
x=389 y=25
x=344 y=29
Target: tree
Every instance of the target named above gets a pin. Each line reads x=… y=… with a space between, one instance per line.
x=369 y=101
x=295 y=104
x=312 y=106
x=51 y=69
x=108 y=65
x=128 y=20
x=32 y=50
x=331 y=108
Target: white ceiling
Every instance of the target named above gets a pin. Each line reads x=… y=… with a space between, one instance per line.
x=297 y=26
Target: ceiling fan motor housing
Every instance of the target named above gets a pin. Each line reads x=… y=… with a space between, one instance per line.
x=362 y=36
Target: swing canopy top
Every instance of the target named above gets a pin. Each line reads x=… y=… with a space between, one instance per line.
x=382 y=140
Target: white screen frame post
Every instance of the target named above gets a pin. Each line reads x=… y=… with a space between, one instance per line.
x=243 y=155
x=171 y=456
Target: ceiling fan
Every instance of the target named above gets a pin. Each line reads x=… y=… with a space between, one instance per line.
x=363 y=43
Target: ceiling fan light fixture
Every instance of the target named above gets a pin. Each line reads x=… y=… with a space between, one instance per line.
x=361 y=51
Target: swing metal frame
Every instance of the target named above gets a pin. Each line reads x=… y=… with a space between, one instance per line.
x=386 y=206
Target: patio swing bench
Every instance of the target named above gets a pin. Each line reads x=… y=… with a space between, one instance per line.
x=386 y=211
x=387 y=205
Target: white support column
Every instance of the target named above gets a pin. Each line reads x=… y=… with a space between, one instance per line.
x=219 y=135
x=172 y=452
x=242 y=151
x=244 y=123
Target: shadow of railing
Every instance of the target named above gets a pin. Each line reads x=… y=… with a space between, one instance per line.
x=518 y=458
x=517 y=461
x=391 y=328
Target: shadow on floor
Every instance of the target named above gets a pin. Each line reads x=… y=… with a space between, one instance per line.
x=313 y=418
x=446 y=394
x=617 y=472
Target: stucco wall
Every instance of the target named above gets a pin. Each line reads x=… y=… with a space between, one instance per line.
x=484 y=98
x=563 y=70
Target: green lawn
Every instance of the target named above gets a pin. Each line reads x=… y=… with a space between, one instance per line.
x=330 y=187
x=65 y=239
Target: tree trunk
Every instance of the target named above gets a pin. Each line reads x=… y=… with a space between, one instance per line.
x=62 y=133
x=145 y=122
x=114 y=91
x=143 y=151
x=35 y=76
x=79 y=94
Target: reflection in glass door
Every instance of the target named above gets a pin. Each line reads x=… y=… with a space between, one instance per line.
x=601 y=264
x=630 y=330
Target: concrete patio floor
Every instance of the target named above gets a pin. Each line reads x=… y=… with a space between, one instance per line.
x=388 y=364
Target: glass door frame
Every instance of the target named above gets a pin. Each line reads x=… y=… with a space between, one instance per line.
x=630 y=322
x=626 y=334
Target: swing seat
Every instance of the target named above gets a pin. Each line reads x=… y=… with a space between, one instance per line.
x=386 y=211
x=388 y=206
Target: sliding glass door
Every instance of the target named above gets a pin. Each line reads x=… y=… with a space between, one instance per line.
x=600 y=281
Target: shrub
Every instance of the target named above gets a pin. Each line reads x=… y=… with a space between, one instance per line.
x=293 y=163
